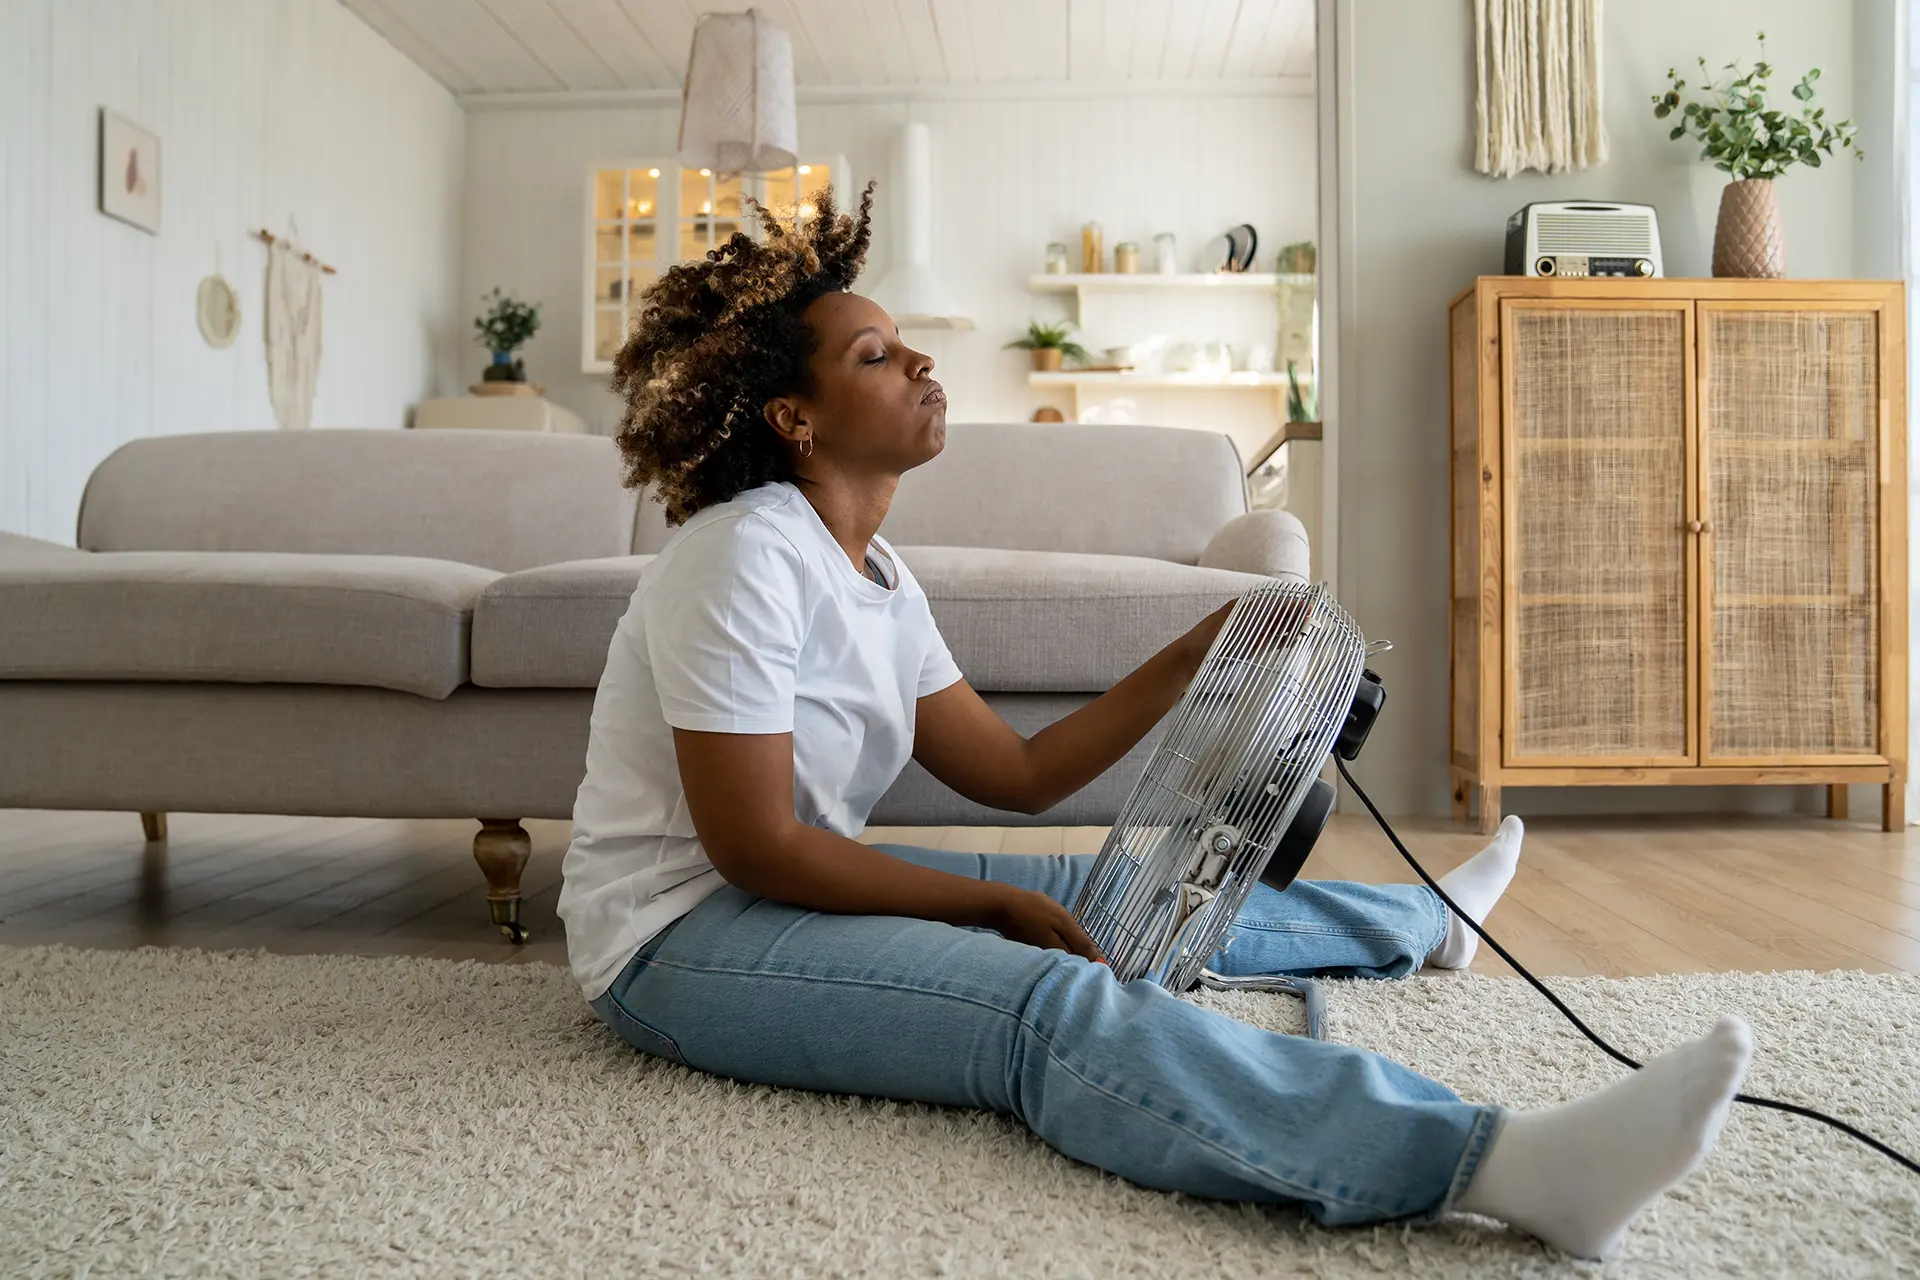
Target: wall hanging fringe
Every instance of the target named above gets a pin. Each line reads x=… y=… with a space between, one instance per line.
x=1538 y=100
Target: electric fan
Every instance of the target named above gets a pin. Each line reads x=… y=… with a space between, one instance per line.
x=1233 y=794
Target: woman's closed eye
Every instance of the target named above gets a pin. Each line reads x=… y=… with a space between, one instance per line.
x=879 y=359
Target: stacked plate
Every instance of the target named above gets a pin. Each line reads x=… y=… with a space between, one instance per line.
x=1232 y=251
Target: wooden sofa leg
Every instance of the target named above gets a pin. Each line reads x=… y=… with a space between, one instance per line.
x=1462 y=797
x=155 y=827
x=1837 y=798
x=1893 y=813
x=502 y=848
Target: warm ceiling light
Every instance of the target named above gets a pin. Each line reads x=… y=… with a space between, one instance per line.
x=653 y=173
x=706 y=206
x=806 y=169
x=706 y=173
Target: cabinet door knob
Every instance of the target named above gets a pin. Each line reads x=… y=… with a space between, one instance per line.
x=1694 y=526
x=1706 y=526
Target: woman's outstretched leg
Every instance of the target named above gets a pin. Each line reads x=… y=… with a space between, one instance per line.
x=1159 y=1091
x=1125 y=1077
x=1314 y=928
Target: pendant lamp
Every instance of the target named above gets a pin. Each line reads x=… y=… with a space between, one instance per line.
x=736 y=109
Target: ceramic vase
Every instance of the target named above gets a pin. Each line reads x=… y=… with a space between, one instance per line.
x=1749 y=241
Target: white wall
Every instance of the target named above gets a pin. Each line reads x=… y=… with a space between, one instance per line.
x=1880 y=57
x=1423 y=224
x=1008 y=176
x=264 y=109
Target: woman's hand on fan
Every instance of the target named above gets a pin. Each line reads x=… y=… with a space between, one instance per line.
x=1200 y=638
x=1024 y=915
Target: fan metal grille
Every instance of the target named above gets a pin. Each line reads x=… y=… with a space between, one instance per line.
x=1241 y=751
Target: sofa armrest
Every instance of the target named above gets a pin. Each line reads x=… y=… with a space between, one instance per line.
x=1270 y=542
x=21 y=542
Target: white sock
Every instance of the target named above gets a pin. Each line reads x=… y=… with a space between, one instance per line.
x=1476 y=885
x=1576 y=1175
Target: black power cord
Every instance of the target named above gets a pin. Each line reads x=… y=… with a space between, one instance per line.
x=1791 y=1108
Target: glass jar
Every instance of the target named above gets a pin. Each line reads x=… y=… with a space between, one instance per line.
x=1164 y=260
x=1126 y=258
x=1056 y=259
x=1093 y=249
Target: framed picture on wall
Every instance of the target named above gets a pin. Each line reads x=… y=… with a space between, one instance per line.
x=129 y=172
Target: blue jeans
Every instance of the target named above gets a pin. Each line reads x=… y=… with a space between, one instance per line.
x=1129 y=1078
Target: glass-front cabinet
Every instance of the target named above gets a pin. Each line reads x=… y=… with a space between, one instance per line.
x=645 y=215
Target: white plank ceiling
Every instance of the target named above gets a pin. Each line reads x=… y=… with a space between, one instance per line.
x=559 y=46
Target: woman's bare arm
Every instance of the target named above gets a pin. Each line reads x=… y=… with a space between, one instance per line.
x=739 y=790
x=964 y=742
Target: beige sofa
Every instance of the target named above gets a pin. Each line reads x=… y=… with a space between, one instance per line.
x=412 y=623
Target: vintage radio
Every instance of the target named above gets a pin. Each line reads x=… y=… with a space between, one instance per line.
x=1584 y=238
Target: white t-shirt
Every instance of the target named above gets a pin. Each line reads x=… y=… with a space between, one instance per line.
x=752 y=619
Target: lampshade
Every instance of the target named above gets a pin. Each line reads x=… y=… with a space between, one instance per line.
x=736 y=111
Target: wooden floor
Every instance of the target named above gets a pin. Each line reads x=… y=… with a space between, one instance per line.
x=1593 y=896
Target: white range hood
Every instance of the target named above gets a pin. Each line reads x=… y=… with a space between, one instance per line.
x=910 y=291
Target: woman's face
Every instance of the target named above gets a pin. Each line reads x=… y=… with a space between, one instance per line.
x=874 y=404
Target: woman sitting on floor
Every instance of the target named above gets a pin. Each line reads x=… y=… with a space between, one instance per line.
x=775 y=671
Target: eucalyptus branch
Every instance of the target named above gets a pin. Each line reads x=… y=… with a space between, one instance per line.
x=1740 y=133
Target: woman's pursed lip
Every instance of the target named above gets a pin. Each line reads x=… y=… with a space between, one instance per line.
x=934 y=392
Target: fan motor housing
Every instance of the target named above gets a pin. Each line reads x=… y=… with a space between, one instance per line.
x=1291 y=850
x=1368 y=697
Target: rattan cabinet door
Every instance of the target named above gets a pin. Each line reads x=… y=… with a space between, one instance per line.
x=1599 y=598
x=1790 y=456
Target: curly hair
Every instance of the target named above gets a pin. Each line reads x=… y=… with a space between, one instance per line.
x=718 y=338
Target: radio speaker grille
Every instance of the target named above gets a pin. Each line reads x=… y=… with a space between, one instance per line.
x=1601 y=234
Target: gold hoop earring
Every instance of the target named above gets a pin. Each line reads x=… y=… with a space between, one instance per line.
x=806 y=447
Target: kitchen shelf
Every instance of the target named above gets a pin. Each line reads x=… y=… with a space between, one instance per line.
x=1068 y=283
x=1291 y=433
x=1165 y=381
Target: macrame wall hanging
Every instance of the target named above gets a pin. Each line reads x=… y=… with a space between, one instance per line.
x=1538 y=105
x=292 y=328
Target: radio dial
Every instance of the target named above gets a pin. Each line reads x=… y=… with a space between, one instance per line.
x=1545 y=266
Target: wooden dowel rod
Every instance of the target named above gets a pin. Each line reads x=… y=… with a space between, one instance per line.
x=269 y=238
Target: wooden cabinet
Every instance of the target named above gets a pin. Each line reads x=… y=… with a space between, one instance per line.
x=645 y=214
x=1678 y=535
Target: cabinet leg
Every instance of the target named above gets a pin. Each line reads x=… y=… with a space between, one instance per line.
x=1837 y=802
x=1462 y=797
x=1489 y=807
x=154 y=827
x=1894 y=806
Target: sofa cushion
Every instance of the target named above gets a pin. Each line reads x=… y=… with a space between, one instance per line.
x=504 y=500
x=1059 y=622
x=1159 y=492
x=549 y=628
x=387 y=622
x=20 y=542
x=1017 y=621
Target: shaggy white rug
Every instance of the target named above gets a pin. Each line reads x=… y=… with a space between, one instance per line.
x=172 y=1112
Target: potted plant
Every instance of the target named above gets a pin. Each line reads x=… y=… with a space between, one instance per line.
x=1049 y=344
x=503 y=328
x=1740 y=133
